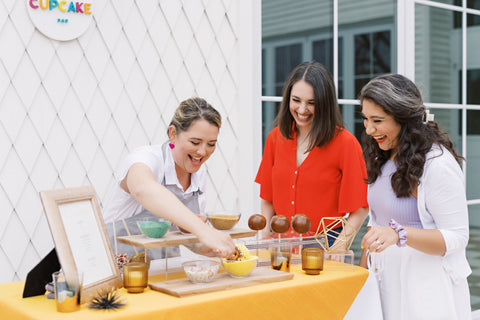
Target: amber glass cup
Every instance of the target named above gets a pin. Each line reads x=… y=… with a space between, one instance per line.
x=135 y=277
x=281 y=256
x=312 y=260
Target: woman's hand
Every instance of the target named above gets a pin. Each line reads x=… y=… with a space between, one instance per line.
x=363 y=258
x=157 y=199
x=219 y=243
x=378 y=239
x=429 y=241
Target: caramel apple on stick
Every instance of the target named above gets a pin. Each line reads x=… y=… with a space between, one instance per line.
x=257 y=222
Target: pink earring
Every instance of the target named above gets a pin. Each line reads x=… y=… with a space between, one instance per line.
x=171 y=145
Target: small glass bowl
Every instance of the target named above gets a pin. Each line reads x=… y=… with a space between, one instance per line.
x=154 y=228
x=201 y=271
x=223 y=220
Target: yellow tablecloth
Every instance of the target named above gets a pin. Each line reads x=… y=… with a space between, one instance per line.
x=325 y=296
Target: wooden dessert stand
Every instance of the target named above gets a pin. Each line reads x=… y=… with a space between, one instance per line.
x=183 y=287
x=176 y=238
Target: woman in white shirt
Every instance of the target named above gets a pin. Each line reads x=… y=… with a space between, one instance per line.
x=418 y=231
x=169 y=180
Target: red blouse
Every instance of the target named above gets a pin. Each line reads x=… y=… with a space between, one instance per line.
x=329 y=183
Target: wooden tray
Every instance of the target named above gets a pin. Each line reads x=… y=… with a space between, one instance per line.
x=223 y=281
x=175 y=238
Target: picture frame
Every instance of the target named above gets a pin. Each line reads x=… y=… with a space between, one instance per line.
x=81 y=239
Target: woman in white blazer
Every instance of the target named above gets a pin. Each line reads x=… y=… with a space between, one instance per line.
x=418 y=230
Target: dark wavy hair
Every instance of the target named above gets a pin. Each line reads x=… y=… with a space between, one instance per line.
x=400 y=98
x=327 y=118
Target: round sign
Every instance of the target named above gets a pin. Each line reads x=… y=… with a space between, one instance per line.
x=60 y=20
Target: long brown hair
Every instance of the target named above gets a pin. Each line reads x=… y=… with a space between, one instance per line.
x=327 y=118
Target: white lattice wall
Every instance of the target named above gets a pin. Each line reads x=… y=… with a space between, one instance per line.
x=70 y=111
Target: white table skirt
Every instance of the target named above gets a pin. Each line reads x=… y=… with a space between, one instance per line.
x=367 y=303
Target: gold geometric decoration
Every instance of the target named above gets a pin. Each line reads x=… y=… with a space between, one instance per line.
x=343 y=239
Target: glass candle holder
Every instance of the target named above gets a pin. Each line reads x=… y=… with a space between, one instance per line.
x=135 y=277
x=312 y=260
x=281 y=256
x=67 y=294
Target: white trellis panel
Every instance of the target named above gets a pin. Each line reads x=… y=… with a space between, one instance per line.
x=70 y=111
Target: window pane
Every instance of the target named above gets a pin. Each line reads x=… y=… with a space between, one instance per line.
x=286 y=57
x=472 y=4
x=293 y=32
x=381 y=52
x=473 y=97
x=473 y=64
x=437 y=54
x=264 y=91
x=362 y=54
x=474 y=219
x=359 y=83
x=372 y=57
x=323 y=52
x=472 y=20
x=473 y=120
x=359 y=127
x=449 y=1
x=363 y=27
x=367 y=31
x=269 y=111
x=472 y=255
x=473 y=168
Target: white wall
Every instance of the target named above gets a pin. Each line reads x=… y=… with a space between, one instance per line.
x=70 y=111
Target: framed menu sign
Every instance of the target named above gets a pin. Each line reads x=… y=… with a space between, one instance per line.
x=81 y=240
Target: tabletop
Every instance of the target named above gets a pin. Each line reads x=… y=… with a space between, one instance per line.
x=325 y=296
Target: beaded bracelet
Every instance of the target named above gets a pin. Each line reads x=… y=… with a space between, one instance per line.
x=402 y=233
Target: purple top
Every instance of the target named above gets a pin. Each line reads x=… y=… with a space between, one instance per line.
x=385 y=205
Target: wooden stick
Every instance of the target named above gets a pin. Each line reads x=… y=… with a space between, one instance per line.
x=166 y=263
x=301 y=246
x=115 y=237
x=128 y=232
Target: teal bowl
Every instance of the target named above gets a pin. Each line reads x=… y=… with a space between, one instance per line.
x=154 y=228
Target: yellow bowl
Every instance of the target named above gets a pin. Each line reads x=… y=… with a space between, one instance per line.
x=242 y=268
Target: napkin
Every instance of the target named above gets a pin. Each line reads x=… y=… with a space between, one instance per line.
x=39 y=276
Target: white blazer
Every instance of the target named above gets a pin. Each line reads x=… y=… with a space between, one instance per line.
x=442 y=205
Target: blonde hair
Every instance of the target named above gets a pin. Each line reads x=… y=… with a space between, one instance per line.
x=194 y=109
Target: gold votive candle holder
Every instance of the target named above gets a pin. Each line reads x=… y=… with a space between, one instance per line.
x=135 y=277
x=67 y=294
x=312 y=260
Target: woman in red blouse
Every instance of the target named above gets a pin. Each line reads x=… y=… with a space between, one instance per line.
x=311 y=163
